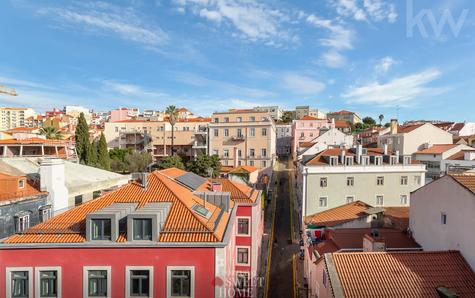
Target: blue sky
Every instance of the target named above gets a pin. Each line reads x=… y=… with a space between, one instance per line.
x=413 y=59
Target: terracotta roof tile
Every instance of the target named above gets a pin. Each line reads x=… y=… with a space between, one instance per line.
x=338 y=215
x=408 y=128
x=244 y=169
x=9 y=189
x=403 y=274
x=399 y=215
x=342 y=112
x=341 y=124
x=182 y=224
x=312 y=118
x=466 y=180
x=437 y=149
x=353 y=238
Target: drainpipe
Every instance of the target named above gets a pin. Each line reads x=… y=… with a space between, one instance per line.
x=304 y=195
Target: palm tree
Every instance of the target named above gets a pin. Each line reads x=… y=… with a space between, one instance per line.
x=172 y=113
x=381 y=117
x=51 y=133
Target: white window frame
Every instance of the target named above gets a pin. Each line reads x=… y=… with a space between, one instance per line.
x=404 y=179
x=38 y=283
x=322 y=179
x=352 y=179
x=377 y=181
x=169 y=281
x=8 y=286
x=252 y=132
x=263 y=164
x=333 y=160
x=85 y=280
x=326 y=201
x=127 y=279
x=349 y=160
x=376 y=203
x=21 y=183
x=226 y=132
x=407 y=160
x=407 y=199
x=378 y=160
x=249 y=226
x=248 y=255
x=393 y=160
x=417 y=179
x=264 y=152
x=350 y=196
x=264 y=132
x=26 y=218
x=226 y=152
x=364 y=160
x=46 y=209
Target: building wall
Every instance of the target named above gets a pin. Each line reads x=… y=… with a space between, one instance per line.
x=444 y=196
x=14 y=117
x=283 y=139
x=306 y=131
x=72 y=260
x=220 y=143
x=333 y=137
x=321 y=290
x=365 y=188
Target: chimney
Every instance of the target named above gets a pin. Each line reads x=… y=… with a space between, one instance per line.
x=359 y=152
x=52 y=180
x=393 y=126
x=385 y=147
x=216 y=186
x=374 y=242
x=141 y=178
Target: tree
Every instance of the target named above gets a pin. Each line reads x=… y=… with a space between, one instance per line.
x=369 y=121
x=117 y=157
x=359 y=127
x=103 y=160
x=172 y=113
x=381 y=118
x=82 y=139
x=91 y=157
x=170 y=162
x=51 y=133
x=287 y=116
x=138 y=161
x=204 y=165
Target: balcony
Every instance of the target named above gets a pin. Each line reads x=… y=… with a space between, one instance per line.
x=238 y=138
x=199 y=145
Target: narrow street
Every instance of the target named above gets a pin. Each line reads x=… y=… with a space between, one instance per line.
x=281 y=275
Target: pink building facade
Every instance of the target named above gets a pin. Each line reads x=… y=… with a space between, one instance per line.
x=122 y=114
x=307 y=129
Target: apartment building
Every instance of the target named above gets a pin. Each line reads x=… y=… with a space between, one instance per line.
x=190 y=136
x=306 y=130
x=344 y=115
x=283 y=139
x=302 y=111
x=14 y=117
x=274 y=111
x=443 y=214
x=122 y=114
x=179 y=239
x=243 y=137
x=374 y=176
x=408 y=139
x=75 y=112
x=327 y=139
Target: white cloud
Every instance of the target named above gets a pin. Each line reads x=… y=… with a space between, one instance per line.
x=397 y=91
x=365 y=10
x=130 y=89
x=333 y=59
x=384 y=64
x=302 y=85
x=23 y=83
x=254 y=20
x=340 y=37
x=244 y=104
x=107 y=18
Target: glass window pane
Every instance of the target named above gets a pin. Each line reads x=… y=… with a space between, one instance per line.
x=20 y=284
x=48 y=283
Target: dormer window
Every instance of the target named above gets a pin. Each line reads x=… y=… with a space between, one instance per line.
x=22 y=222
x=407 y=160
x=378 y=160
x=100 y=229
x=142 y=228
x=46 y=213
x=21 y=183
x=333 y=160
x=365 y=160
x=348 y=160
x=393 y=160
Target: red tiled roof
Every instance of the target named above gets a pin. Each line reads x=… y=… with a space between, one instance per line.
x=182 y=224
x=245 y=169
x=306 y=144
x=311 y=118
x=338 y=215
x=240 y=193
x=341 y=124
x=318 y=159
x=457 y=126
x=408 y=128
x=31 y=141
x=437 y=149
x=353 y=238
x=402 y=274
x=342 y=112
x=9 y=189
x=466 y=180
x=22 y=129
x=399 y=215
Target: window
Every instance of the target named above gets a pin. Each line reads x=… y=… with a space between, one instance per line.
x=243 y=226
x=139 y=281
x=216 y=132
x=215 y=152
x=226 y=132
x=242 y=280
x=403 y=199
x=226 y=119
x=365 y=160
x=323 y=182
x=226 y=153
x=443 y=218
x=251 y=152
x=239 y=153
x=311 y=135
x=96 y=194
x=350 y=181
x=264 y=132
x=379 y=200
x=378 y=160
x=100 y=229
x=322 y=202
x=417 y=180
x=180 y=281
x=333 y=160
x=46 y=213
x=77 y=200
x=252 y=131
x=263 y=164
x=252 y=119
x=393 y=160
x=116 y=129
x=142 y=229
x=97 y=281
x=242 y=255
x=21 y=183
x=239 y=119
x=216 y=120
x=348 y=160
x=48 y=281
x=22 y=222
x=407 y=160
x=350 y=199
x=380 y=180
x=302 y=135
x=19 y=282
x=403 y=180
x=264 y=152
x=239 y=133
x=251 y=163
